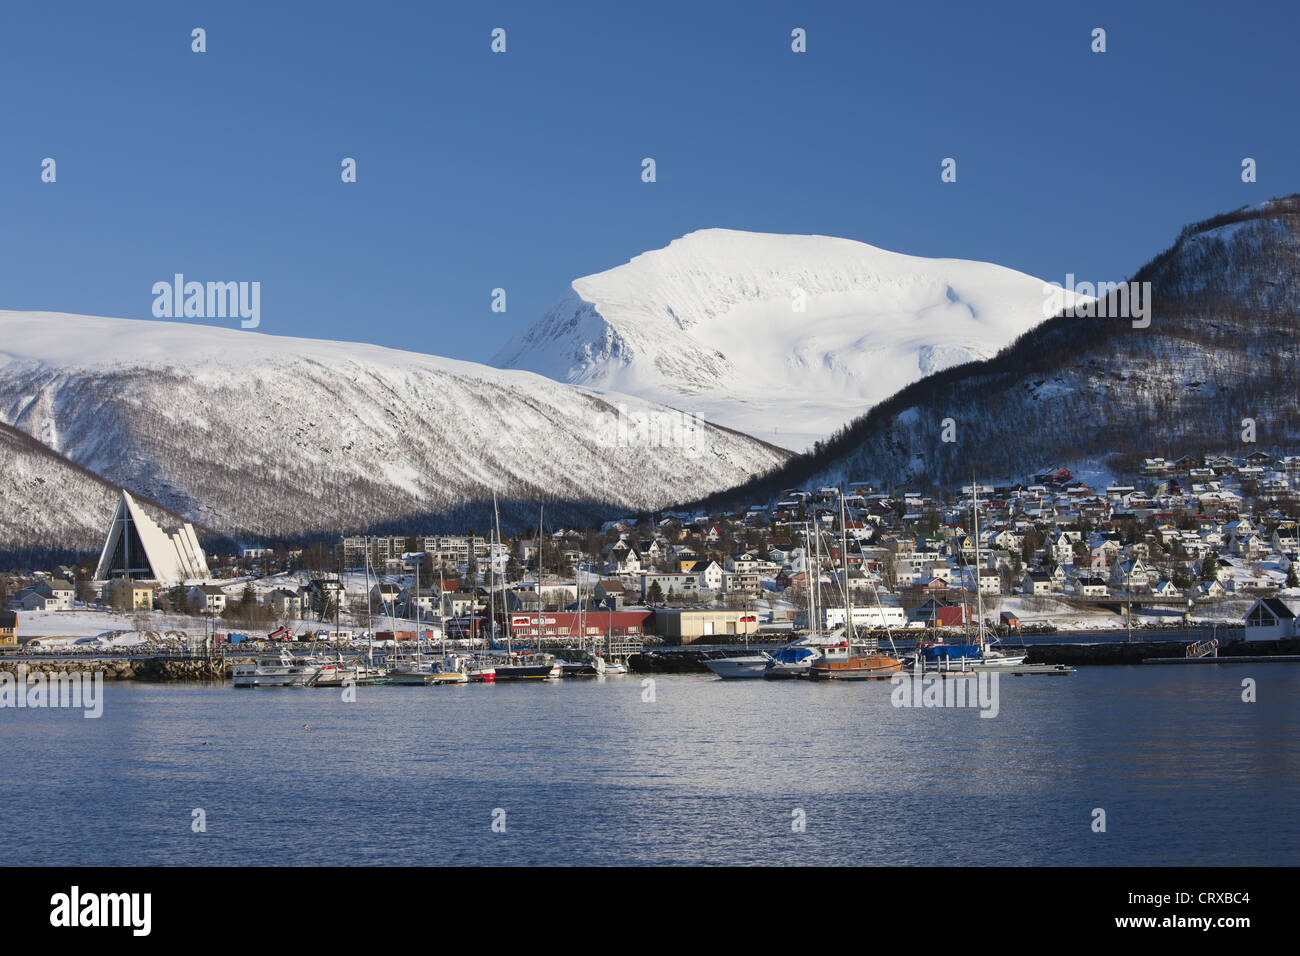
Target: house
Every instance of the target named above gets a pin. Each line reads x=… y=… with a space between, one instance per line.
x=1272 y=619
x=611 y=594
x=990 y=581
x=8 y=627
x=460 y=603
x=1091 y=585
x=58 y=594
x=1209 y=590
x=285 y=603
x=623 y=559
x=331 y=592
x=1036 y=582
x=419 y=603
x=708 y=575
x=128 y=593
x=1131 y=576
x=29 y=599
x=384 y=595
x=744 y=582
x=207 y=597
x=1008 y=619
x=1166 y=589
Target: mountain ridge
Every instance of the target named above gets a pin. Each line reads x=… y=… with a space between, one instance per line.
x=785 y=337
x=1226 y=295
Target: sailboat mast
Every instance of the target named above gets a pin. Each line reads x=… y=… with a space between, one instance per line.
x=844 y=562
x=370 y=612
x=541 y=513
x=492 y=594
x=505 y=611
x=979 y=595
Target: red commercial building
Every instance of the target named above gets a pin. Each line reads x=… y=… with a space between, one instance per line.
x=585 y=625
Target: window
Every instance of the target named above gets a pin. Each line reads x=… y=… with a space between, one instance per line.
x=1261 y=617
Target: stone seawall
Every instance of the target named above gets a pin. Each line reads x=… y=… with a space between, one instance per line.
x=158 y=669
x=1135 y=652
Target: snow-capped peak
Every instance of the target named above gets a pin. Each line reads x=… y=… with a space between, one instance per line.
x=785 y=337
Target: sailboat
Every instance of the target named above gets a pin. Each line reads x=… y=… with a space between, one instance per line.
x=854 y=658
x=480 y=668
x=528 y=665
x=796 y=658
x=967 y=655
x=414 y=670
x=587 y=662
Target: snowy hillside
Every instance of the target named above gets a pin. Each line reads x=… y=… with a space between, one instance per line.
x=50 y=505
x=251 y=434
x=712 y=324
x=1098 y=394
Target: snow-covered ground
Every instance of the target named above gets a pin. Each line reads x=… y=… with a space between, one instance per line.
x=1067 y=617
x=91 y=622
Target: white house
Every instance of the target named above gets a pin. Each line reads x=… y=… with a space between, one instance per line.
x=58 y=594
x=709 y=574
x=1271 y=619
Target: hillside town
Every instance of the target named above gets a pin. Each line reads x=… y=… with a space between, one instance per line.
x=1211 y=539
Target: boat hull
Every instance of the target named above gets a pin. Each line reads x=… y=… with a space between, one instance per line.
x=512 y=672
x=857 y=667
x=738 y=668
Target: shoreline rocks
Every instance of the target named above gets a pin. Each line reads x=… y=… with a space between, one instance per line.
x=153 y=669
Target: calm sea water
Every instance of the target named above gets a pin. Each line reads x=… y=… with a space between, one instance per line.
x=708 y=773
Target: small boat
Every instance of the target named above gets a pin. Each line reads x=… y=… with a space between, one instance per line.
x=745 y=667
x=335 y=674
x=481 y=672
x=450 y=669
x=615 y=667
x=591 y=665
x=529 y=666
x=792 y=661
x=412 y=673
x=276 y=670
x=861 y=661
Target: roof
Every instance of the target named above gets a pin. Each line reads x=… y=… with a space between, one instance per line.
x=172 y=559
x=1284 y=610
x=8 y=619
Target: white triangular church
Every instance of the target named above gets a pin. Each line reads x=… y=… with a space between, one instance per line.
x=137 y=548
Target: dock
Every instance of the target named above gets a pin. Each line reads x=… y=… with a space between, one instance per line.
x=1238 y=659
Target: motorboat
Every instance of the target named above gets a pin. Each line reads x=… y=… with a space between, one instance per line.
x=792 y=661
x=743 y=667
x=276 y=670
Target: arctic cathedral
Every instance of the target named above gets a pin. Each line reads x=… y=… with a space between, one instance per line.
x=137 y=548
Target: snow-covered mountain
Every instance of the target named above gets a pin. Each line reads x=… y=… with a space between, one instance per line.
x=50 y=505
x=783 y=337
x=1097 y=394
x=250 y=434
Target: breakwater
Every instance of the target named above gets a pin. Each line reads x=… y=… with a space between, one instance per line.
x=1135 y=652
x=157 y=669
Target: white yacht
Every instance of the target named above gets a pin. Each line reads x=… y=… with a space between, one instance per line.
x=740 y=668
x=277 y=670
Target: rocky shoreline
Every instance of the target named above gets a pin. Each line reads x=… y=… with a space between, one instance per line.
x=152 y=669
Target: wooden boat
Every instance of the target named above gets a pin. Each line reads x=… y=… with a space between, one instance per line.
x=854 y=662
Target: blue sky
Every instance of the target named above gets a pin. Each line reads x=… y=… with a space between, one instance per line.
x=522 y=170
